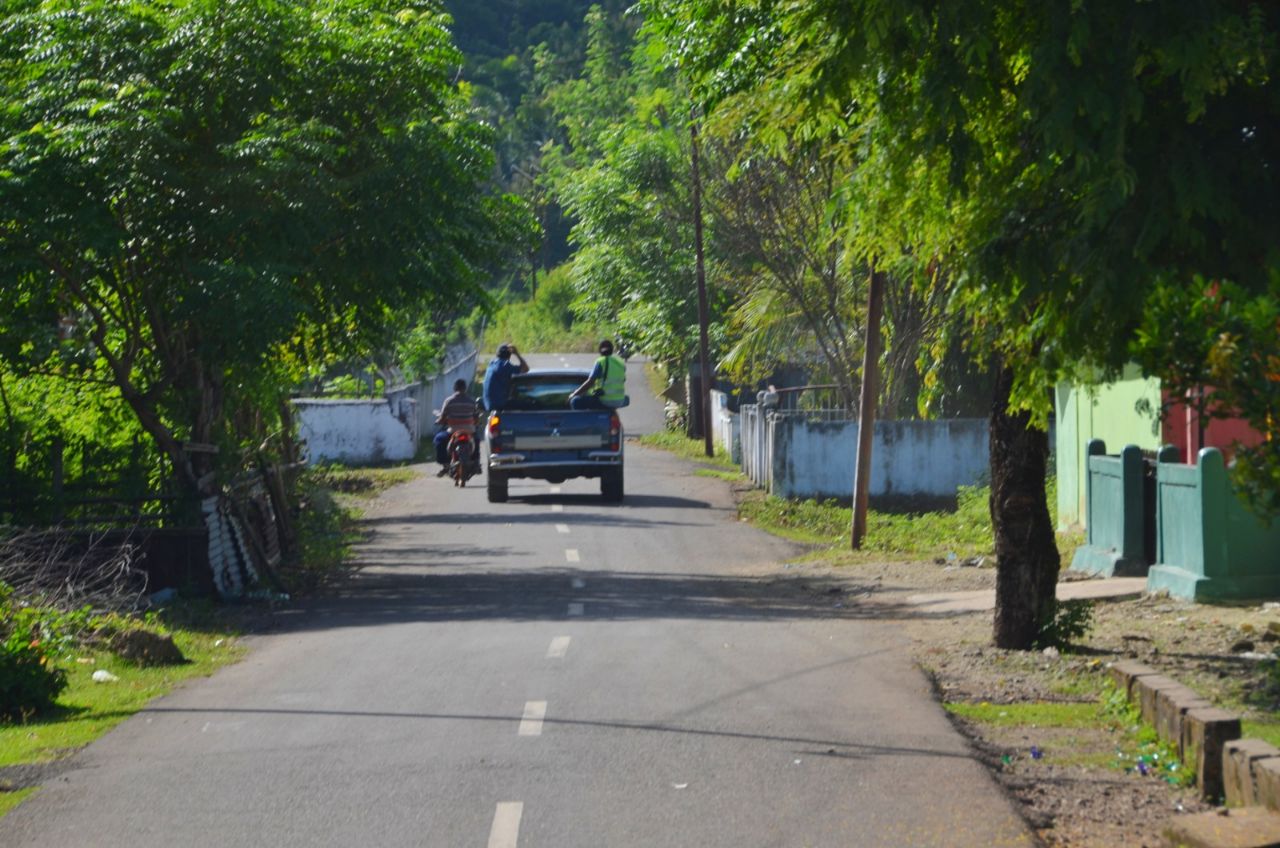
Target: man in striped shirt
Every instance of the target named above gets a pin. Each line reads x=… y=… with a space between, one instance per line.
x=460 y=412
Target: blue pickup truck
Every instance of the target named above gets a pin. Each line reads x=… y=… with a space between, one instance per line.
x=536 y=435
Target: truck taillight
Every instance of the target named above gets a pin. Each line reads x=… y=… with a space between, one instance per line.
x=494 y=445
x=615 y=432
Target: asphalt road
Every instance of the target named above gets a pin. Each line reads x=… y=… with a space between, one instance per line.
x=553 y=671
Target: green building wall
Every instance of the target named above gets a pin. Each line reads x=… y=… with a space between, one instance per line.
x=1113 y=412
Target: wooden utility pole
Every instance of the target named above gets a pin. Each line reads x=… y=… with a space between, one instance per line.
x=703 y=313
x=867 y=409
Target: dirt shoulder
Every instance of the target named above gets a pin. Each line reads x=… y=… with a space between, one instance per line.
x=1084 y=771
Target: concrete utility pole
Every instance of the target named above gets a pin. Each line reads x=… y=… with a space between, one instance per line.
x=867 y=409
x=704 y=317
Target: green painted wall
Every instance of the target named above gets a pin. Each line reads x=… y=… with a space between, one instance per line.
x=1108 y=412
x=1209 y=546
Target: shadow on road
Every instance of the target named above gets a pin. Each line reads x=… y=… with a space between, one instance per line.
x=391 y=596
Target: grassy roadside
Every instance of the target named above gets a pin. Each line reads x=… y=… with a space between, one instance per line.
x=948 y=534
x=207 y=634
x=87 y=709
x=1101 y=731
x=207 y=637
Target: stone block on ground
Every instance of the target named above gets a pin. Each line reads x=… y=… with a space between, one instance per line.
x=1205 y=734
x=1253 y=827
x=1238 y=763
x=1266 y=782
x=1125 y=672
x=1147 y=689
x=1171 y=705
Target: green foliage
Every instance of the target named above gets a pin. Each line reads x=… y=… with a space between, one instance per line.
x=1146 y=755
x=1051 y=167
x=1072 y=620
x=199 y=232
x=547 y=322
x=327 y=523
x=623 y=172
x=29 y=682
x=1215 y=346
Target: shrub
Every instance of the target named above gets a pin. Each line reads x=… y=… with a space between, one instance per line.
x=1071 y=621
x=29 y=682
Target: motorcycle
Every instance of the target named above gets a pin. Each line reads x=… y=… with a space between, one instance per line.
x=464 y=457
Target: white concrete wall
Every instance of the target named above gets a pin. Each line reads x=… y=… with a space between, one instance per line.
x=803 y=458
x=357 y=432
x=361 y=432
x=726 y=426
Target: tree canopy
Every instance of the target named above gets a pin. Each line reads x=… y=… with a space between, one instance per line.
x=189 y=189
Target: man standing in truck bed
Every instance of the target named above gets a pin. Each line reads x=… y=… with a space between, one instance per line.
x=497 y=377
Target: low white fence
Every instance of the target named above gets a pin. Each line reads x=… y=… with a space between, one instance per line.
x=386 y=429
x=811 y=454
x=726 y=428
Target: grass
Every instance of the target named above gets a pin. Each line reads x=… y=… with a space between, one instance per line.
x=962 y=533
x=87 y=709
x=1267 y=731
x=686 y=448
x=719 y=474
x=1034 y=714
x=360 y=482
x=9 y=800
x=1126 y=745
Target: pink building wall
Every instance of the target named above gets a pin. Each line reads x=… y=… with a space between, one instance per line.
x=1182 y=429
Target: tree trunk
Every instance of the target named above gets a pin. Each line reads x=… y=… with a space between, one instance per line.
x=1026 y=552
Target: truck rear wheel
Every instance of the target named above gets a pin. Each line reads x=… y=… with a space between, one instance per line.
x=611 y=484
x=497 y=487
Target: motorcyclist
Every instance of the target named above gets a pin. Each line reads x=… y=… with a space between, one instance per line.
x=459 y=413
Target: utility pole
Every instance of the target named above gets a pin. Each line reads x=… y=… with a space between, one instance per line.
x=867 y=409
x=703 y=316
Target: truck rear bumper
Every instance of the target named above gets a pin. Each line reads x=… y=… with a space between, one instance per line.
x=519 y=464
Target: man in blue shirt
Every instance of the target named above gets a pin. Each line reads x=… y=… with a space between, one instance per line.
x=497 y=377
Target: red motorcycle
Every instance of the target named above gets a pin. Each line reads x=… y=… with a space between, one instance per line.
x=464 y=457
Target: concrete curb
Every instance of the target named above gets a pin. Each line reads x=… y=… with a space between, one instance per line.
x=1200 y=731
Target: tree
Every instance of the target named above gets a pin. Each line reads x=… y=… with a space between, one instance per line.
x=623 y=173
x=195 y=187
x=1067 y=165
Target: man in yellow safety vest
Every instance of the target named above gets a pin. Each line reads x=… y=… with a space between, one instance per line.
x=608 y=376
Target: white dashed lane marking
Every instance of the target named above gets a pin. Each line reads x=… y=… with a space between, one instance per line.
x=505 y=832
x=559 y=647
x=557 y=507
x=555 y=490
x=562 y=528
x=531 y=721
x=578 y=583
x=571 y=555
